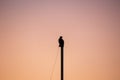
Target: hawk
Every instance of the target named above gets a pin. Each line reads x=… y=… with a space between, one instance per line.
x=61 y=42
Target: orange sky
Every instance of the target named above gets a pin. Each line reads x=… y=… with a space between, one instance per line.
x=29 y=30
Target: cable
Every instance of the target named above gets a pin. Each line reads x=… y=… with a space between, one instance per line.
x=54 y=65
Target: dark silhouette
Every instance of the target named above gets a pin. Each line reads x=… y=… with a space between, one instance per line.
x=61 y=42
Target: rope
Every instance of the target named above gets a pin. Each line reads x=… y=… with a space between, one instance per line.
x=54 y=65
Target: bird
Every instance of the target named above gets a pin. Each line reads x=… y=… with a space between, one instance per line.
x=61 y=41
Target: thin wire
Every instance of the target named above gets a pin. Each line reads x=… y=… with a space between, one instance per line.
x=54 y=64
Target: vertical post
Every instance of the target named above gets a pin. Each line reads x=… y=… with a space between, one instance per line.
x=61 y=45
x=62 y=63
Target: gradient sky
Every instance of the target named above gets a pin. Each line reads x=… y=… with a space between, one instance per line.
x=29 y=30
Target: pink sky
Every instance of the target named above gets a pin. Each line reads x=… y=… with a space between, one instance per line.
x=29 y=30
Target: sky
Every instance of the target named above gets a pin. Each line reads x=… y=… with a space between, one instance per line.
x=29 y=32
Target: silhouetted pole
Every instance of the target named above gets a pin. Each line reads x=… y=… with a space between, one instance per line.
x=61 y=44
x=62 y=63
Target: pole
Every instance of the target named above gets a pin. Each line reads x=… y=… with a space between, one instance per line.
x=62 y=63
x=61 y=45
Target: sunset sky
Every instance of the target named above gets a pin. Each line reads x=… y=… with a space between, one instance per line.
x=29 y=32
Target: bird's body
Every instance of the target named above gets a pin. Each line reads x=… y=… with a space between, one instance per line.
x=61 y=42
